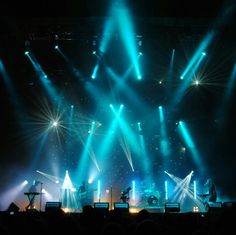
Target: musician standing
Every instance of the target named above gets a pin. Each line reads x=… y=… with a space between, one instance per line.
x=83 y=193
x=33 y=189
x=210 y=190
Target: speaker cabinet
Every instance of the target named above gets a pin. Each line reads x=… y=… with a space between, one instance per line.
x=101 y=206
x=13 y=208
x=213 y=206
x=172 y=207
x=229 y=205
x=53 y=206
x=121 y=206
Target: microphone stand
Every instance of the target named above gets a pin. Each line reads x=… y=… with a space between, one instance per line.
x=111 y=197
x=40 y=197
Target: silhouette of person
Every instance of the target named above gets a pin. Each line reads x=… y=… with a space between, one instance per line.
x=210 y=189
x=83 y=193
x=32 y=193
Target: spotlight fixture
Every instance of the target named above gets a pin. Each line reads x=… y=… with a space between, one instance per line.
x=27 y=43
x=94 y=43
x=56 y=37
x=177 y=123
x=55 y=123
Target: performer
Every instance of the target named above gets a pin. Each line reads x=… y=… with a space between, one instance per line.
x=83 y=193
x=210 y=191
x=33 y=191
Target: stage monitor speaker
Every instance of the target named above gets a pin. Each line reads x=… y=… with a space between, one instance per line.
x=213 y=206
x=155 y=209
x=13 y=208
x=121 y=206
x=229 y=205
x=101 y=206
x=53 y=206
x=172 y=207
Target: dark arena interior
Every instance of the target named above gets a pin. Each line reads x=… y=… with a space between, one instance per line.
x=118 y=106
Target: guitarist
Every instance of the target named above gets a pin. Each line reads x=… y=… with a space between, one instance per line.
x=83 y=193
x=210 y=190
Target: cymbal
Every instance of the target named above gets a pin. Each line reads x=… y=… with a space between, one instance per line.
x=147 y=190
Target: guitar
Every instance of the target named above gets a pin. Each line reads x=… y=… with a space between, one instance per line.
x=83 y=195
x=86 y=194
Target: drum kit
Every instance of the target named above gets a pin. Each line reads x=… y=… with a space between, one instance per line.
x=125 y=195
x=150 y=197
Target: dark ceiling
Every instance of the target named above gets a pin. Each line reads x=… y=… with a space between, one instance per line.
x=167 y=8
